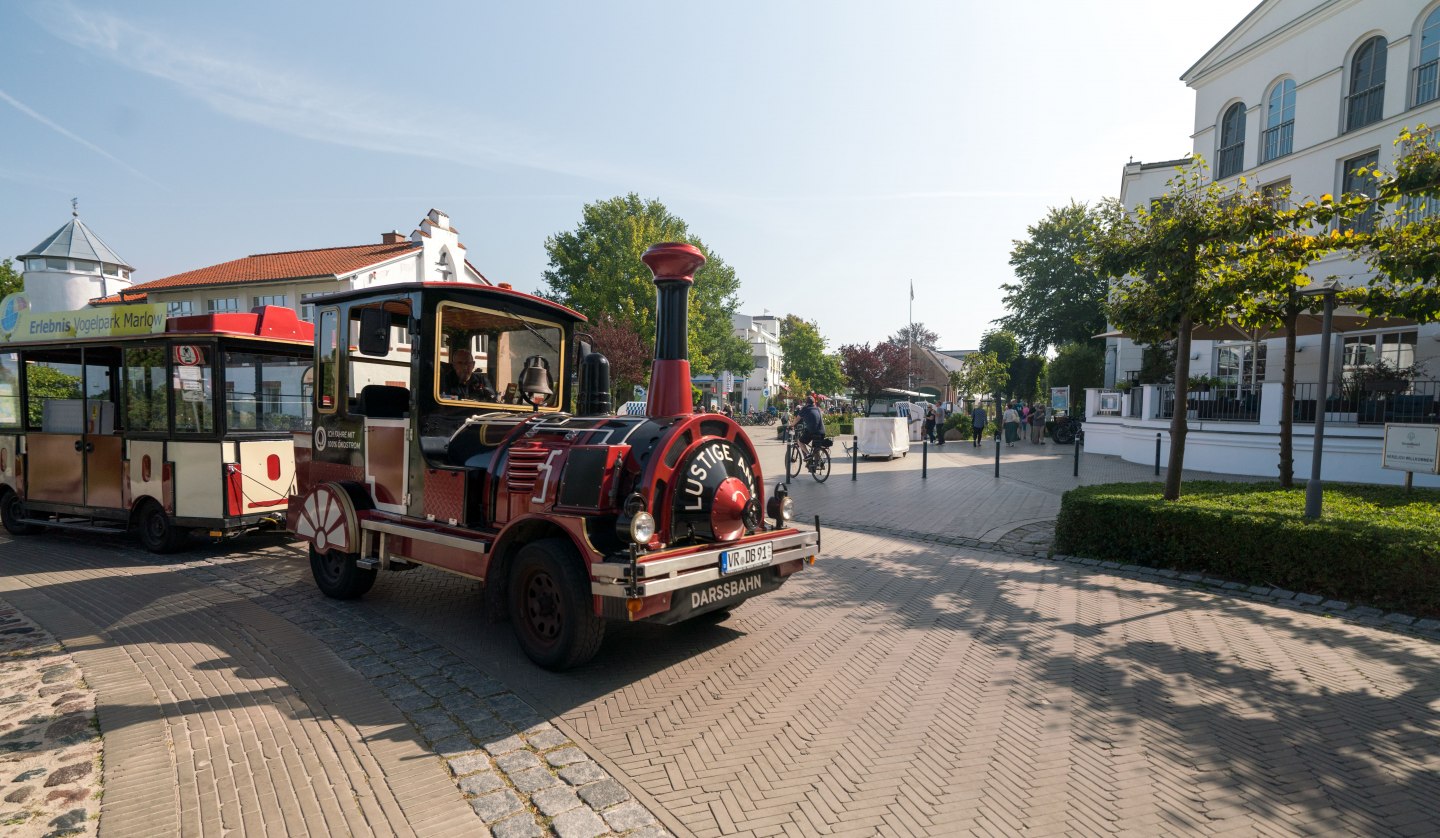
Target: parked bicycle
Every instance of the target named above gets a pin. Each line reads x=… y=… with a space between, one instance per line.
x=1068 y=429
x=813 y=457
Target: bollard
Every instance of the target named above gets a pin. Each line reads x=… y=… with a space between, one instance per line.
x=1077 y=454
x=924 y=458
x=997 y=454
x=854 y=457
x=1157 y=453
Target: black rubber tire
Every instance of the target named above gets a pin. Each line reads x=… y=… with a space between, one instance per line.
x=12 y=509
x=792 y=461
x=337 y=576
x=157 y=532
x=1065 y=433
x=821 y=471
x=551 y=606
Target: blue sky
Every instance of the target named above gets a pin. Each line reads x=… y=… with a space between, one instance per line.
x=831 y=152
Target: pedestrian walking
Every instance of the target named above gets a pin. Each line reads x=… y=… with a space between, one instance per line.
x=1025 y=421
x=930 y=418
x=978 y=420
x=1011 y=421
x=1037 y=424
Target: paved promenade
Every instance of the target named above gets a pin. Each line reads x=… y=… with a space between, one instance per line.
x=930 y=676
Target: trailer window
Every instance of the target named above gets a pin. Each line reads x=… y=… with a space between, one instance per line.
x=481 y=352
x=147 y=398
x=193 y=383
x=264 y=392
x=9 y=390
x=56 y=383
x=328 y=358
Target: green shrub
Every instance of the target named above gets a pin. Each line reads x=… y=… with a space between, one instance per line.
x=1375 y=544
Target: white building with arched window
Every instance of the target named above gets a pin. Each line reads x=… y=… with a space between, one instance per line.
x=1297 y=97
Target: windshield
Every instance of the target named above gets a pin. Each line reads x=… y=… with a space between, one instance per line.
x=482 y=353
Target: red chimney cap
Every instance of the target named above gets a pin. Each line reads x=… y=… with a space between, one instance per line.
x=674 y=261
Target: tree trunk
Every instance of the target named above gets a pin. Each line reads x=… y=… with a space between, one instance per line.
x=1178 y=425
x=1287 y=405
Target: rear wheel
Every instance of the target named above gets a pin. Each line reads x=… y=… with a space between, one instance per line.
x=12 y=511
x=157 y=532
x=820 y=465
x=550 y=606
x=338 y=576
x=1065 y=433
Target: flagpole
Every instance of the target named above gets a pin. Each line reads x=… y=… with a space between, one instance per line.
x=910 y=355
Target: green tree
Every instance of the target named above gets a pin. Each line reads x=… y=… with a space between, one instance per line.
x=1163 y=260
x=803 y=349
x=980 y=373
x=1078 y=365
x=596 y=269
x=921 y=335
x=10 y=279
x=1058 y=298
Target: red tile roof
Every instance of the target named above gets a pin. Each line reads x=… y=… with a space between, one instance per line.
x=270 y=267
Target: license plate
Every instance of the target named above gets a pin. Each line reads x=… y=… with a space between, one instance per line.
x=745 y=558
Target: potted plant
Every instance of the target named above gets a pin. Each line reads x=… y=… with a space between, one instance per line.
x=1203 y=383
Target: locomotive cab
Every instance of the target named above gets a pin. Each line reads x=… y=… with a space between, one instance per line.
x=448 y=431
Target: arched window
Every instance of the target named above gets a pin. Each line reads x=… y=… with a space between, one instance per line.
x=1232 y=141
x=1366 y=102
x=1427 y=79
x=1279 y=138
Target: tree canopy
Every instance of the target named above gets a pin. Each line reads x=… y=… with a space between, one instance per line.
x=10 y=279
x=872 y=370
x=596 y=270
x=1058 y=297
x=923 y=336
x=804 y=355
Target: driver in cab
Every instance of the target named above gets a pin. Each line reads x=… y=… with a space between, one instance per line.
x=459 y=380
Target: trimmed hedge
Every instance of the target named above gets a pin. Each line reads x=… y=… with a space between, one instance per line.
x=1374 y=545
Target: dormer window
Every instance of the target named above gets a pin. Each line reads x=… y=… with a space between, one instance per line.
x=1366 y=102
x=1232 y=142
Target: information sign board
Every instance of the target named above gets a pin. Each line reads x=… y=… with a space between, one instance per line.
x=1411 y=448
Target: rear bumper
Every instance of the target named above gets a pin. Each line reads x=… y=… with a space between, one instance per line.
x=659 y=576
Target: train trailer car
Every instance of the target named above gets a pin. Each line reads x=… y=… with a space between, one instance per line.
x=441 y=438
x=117 y=418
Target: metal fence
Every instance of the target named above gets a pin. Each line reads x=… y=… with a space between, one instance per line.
x=1226 y=403
x=1416 y=402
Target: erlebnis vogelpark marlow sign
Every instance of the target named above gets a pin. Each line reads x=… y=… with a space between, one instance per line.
x=1412 y=448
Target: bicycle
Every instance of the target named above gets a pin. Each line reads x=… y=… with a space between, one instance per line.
x=1068 y=429
x=813 y=457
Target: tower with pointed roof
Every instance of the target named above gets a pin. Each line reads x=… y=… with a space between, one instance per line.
x=71 y=267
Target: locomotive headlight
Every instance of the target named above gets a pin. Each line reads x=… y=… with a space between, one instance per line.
x=780 y=507
x=642 y=528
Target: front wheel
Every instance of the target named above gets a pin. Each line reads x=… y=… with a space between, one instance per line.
x=158 y=533
x=792 y=461
x=551 y=606
x=820 y=465
x=338 y=576
x=1065 y=433
x=12 y=513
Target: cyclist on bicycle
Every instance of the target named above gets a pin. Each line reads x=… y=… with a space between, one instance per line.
x=809 y=421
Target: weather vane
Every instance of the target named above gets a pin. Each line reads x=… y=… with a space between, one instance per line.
x=75 y=207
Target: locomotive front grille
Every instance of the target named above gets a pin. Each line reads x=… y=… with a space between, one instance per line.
x=523 y=470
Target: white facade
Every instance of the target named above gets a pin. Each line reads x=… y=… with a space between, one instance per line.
x=762 y=332
x=71 y=268
x=1307 y=77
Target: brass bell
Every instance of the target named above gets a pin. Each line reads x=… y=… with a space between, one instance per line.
x=535 y=380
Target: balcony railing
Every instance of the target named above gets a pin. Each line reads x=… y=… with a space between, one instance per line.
x=1227 y=403
x=1278 y=141
x=1415 y=402
x=1232 y=160
x=1364 y=107
x=1427 y=82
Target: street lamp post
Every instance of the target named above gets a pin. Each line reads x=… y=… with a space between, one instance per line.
x=1313 y=497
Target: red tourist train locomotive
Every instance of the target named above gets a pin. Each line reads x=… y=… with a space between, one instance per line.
x=441 y=438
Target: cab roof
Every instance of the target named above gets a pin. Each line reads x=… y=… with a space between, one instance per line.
x=492 y=292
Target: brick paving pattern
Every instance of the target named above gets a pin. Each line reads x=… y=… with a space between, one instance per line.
x=933 y=675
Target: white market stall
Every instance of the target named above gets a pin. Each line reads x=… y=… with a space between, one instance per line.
x=882 y=436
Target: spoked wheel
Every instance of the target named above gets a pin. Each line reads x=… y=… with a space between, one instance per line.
x=792 y=460
x=551 y=606
x=820 y=465
x=157 y=532
x=12 y=511
x=1065 y=433
x=338 y=576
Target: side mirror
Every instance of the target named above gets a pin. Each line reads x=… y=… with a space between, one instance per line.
x=374 y=332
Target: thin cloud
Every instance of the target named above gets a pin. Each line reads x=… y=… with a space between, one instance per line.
x=70 y=135
x=282 y=100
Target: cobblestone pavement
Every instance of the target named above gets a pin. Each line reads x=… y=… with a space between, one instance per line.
x=933 y=674
x=49 y=739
